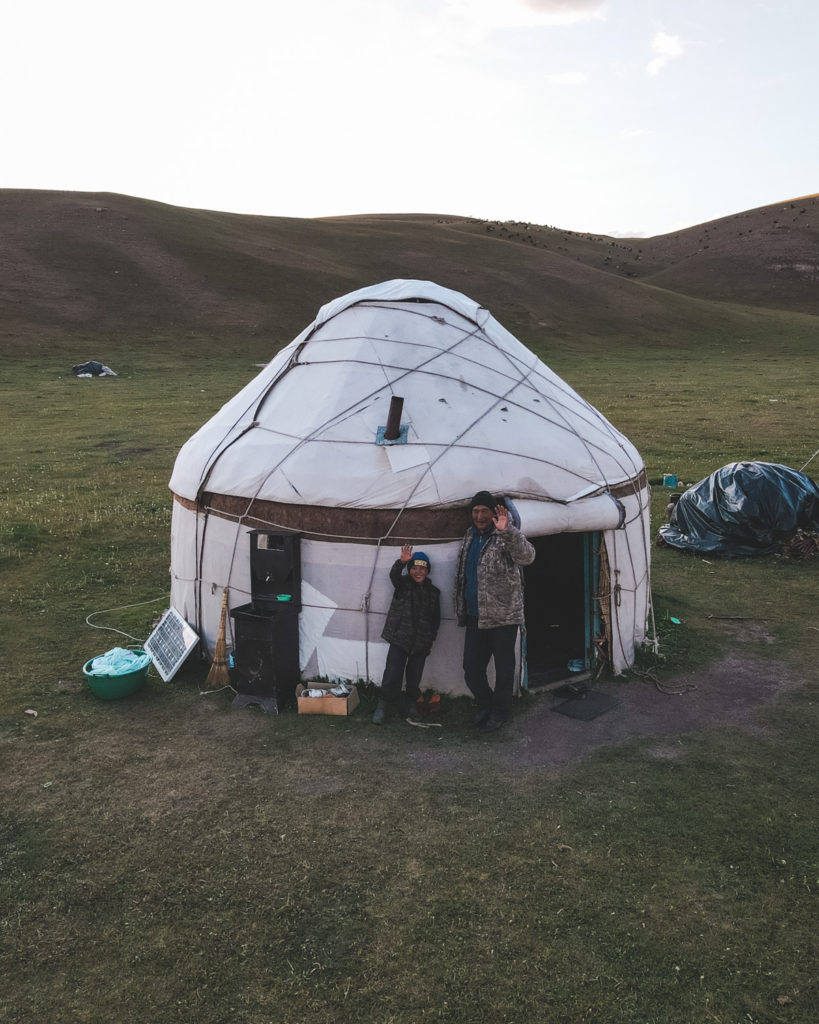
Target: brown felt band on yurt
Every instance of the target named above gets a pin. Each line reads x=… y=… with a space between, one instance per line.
x=358 y=525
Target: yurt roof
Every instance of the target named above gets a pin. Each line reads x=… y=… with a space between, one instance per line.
x=481 y=411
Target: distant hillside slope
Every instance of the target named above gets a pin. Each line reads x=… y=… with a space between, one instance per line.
x=82 y=262
x=764 y=257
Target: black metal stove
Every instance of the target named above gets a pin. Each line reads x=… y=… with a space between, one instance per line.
x=266 y=631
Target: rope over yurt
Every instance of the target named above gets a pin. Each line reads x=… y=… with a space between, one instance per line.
x=302 y=448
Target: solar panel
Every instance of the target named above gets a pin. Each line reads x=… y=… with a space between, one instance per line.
x=170 y=643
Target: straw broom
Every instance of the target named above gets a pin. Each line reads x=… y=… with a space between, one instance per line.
x=218 y=674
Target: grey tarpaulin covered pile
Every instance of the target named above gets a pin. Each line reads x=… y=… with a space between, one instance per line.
x=744 y=508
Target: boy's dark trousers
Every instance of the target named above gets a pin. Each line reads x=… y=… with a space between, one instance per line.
x=479 y=646
x=399 y=662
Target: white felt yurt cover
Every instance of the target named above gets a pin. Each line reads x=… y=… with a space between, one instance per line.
x=480 y=411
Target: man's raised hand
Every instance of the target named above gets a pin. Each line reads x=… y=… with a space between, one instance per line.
x=501 y=517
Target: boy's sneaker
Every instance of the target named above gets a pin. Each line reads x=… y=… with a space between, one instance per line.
x=481 y=718
x=380 y=715
x=414 y=716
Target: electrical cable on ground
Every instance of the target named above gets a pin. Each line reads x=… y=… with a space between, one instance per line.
x=123 y=607
x=649 y=677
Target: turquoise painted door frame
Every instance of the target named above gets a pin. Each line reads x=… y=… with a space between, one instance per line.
x=591 y=575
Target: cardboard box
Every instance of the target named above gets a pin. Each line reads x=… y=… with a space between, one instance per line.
x=328 y=705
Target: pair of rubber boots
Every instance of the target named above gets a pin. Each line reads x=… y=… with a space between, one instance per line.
x=384 y=709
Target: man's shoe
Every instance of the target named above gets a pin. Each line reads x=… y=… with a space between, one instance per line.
x=380 y=715
x=492 y=724
x=481 y=718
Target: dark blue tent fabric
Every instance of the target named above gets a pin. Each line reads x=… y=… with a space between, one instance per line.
x=745 y=508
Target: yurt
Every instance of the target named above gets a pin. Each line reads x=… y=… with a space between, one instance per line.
x=307 y=450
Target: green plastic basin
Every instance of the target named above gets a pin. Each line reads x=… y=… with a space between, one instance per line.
x=114 y=687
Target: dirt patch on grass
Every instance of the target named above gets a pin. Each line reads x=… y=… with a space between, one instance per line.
x=752 y=631
x=729 y=693
x=123 y=451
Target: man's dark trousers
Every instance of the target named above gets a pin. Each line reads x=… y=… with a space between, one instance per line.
x=479 y=646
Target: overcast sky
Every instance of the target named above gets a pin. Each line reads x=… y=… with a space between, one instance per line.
x=609 y=116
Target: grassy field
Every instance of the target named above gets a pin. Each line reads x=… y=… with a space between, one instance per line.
x=166 y=858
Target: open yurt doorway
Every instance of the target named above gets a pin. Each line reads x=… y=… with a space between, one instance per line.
x=561 y=611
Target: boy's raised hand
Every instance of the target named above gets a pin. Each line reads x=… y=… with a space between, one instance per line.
x=406 y=552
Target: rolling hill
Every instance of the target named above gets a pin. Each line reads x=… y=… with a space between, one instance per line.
x=96 y=264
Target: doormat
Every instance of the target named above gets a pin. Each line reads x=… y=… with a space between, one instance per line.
x=587 y=707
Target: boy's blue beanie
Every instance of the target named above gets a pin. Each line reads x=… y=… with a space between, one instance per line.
x=419 y=558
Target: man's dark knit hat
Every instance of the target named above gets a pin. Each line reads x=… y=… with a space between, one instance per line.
x=484 y=498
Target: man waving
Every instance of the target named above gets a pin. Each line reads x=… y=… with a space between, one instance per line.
x=489 y=602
